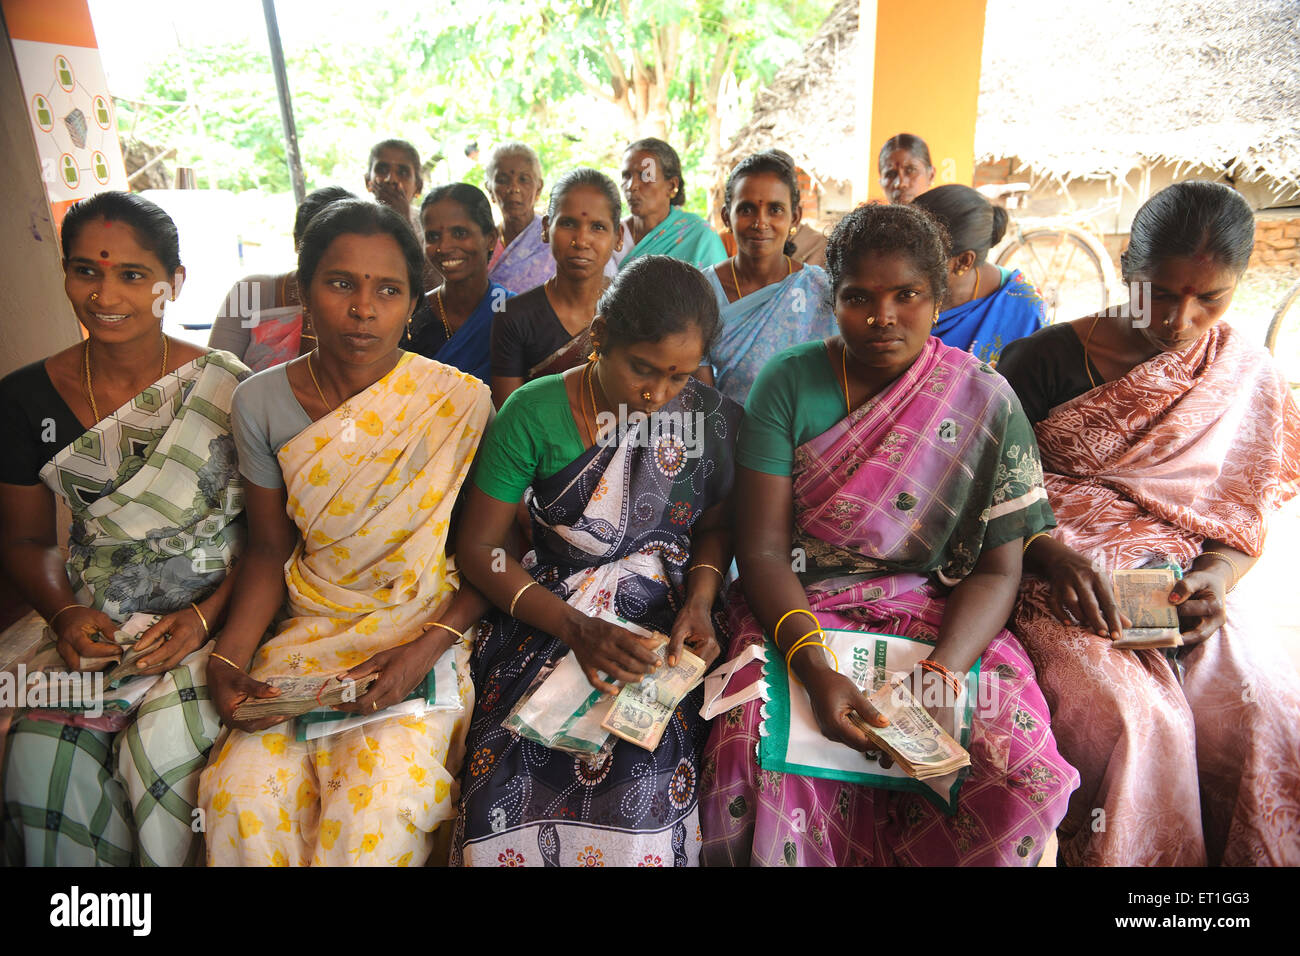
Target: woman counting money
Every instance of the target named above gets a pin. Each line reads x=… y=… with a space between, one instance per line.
x=630 y=519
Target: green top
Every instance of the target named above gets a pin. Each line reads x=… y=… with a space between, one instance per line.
x=795 y=398
x=534 y=436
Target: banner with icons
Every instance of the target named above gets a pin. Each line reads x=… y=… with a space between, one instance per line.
x=71 y=111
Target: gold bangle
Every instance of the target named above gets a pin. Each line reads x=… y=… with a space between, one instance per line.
x=1236 y=571
x=49 y=621
x=460 y=635
x=709 y=566
x=797 y=610
x=1032 y=539
x=518 y=595
x=227 y=660
x=203 y=620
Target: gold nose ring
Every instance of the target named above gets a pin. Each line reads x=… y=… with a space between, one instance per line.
x=871 y=320
x=94 y=297
x=645 y=396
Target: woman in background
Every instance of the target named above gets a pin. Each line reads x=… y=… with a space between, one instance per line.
x=544 y=331
x=986 y=306
x=454 y=324
x=768 y=301
x=261 y=318
x=521 y=259
x=657 y=225
x=905 y=167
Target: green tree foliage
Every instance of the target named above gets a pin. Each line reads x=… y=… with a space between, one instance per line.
x=576 y=80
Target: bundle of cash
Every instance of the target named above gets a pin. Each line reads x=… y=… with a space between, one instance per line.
x=913 y=738
x=641 y=711
x=562 y=711
x=301 y=694
x=1143 y=597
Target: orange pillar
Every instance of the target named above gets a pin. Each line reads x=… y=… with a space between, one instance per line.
x=920 y=74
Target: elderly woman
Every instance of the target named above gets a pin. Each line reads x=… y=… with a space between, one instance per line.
x=353 y=456
x=768 y=300
x=906 y=474
x=986 y=306
x=261 y=318
x=521 y=259
x=1165 y=438
x=656 y=224
x=131 y=431
x=627 y=519
x=905 y=167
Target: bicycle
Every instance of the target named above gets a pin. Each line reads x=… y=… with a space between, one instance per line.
x=1062 y=256
x=1284 y=330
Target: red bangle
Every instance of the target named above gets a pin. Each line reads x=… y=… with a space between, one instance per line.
x=948 y=676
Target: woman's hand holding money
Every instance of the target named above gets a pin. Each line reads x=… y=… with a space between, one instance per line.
x=694 y=628
x=1080 y=592
x=602 y=646
x=74 y=627
x=229 y=686
x=1201 y=600
x=833 y=697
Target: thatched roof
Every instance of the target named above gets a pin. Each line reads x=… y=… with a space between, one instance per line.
x=1089 y=89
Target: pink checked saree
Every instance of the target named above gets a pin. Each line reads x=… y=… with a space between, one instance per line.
x=1186 y=448
x=891 y=503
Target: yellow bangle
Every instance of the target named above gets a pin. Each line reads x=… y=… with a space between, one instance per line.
x=1032 y=539
x=799 y=643
x=798 y=610
x=49 y=621
x=709 y=566
x=202 y=620
x=834 y=657
x=460 y=635
x=226 y=660
x=518 y=595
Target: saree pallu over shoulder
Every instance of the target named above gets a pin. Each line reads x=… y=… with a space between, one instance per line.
x=155 y=496
x=524 y=264
x=371 y=488
x=912 y=486
x=773 y=318
x=984 y=326
x=612 y=533
x=938 y=467
x=682 y=235
x=1191 y=445
x=154 y=491
x=1188 y=447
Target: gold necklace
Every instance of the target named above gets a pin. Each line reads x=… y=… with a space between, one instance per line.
x=442 y=313
x=976 y=294
x=328 y=407
x=844 y=370
x=1087 y=366
x=90 y=388
x=789 y=271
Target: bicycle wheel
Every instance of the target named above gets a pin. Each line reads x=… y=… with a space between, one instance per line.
x=1283 y=338
x=1065 y=269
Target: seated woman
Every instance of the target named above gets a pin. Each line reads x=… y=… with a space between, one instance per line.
x=520 y=258
x=131 y=430
x=627 y=518
x=261 y=318
x=353 y=457
x=986 y=306
x=454 y=324
x=905 y=167
x=1164 y=436
x=544 y=331
x=657 y=226
x=907 y=475
x=768 y=301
